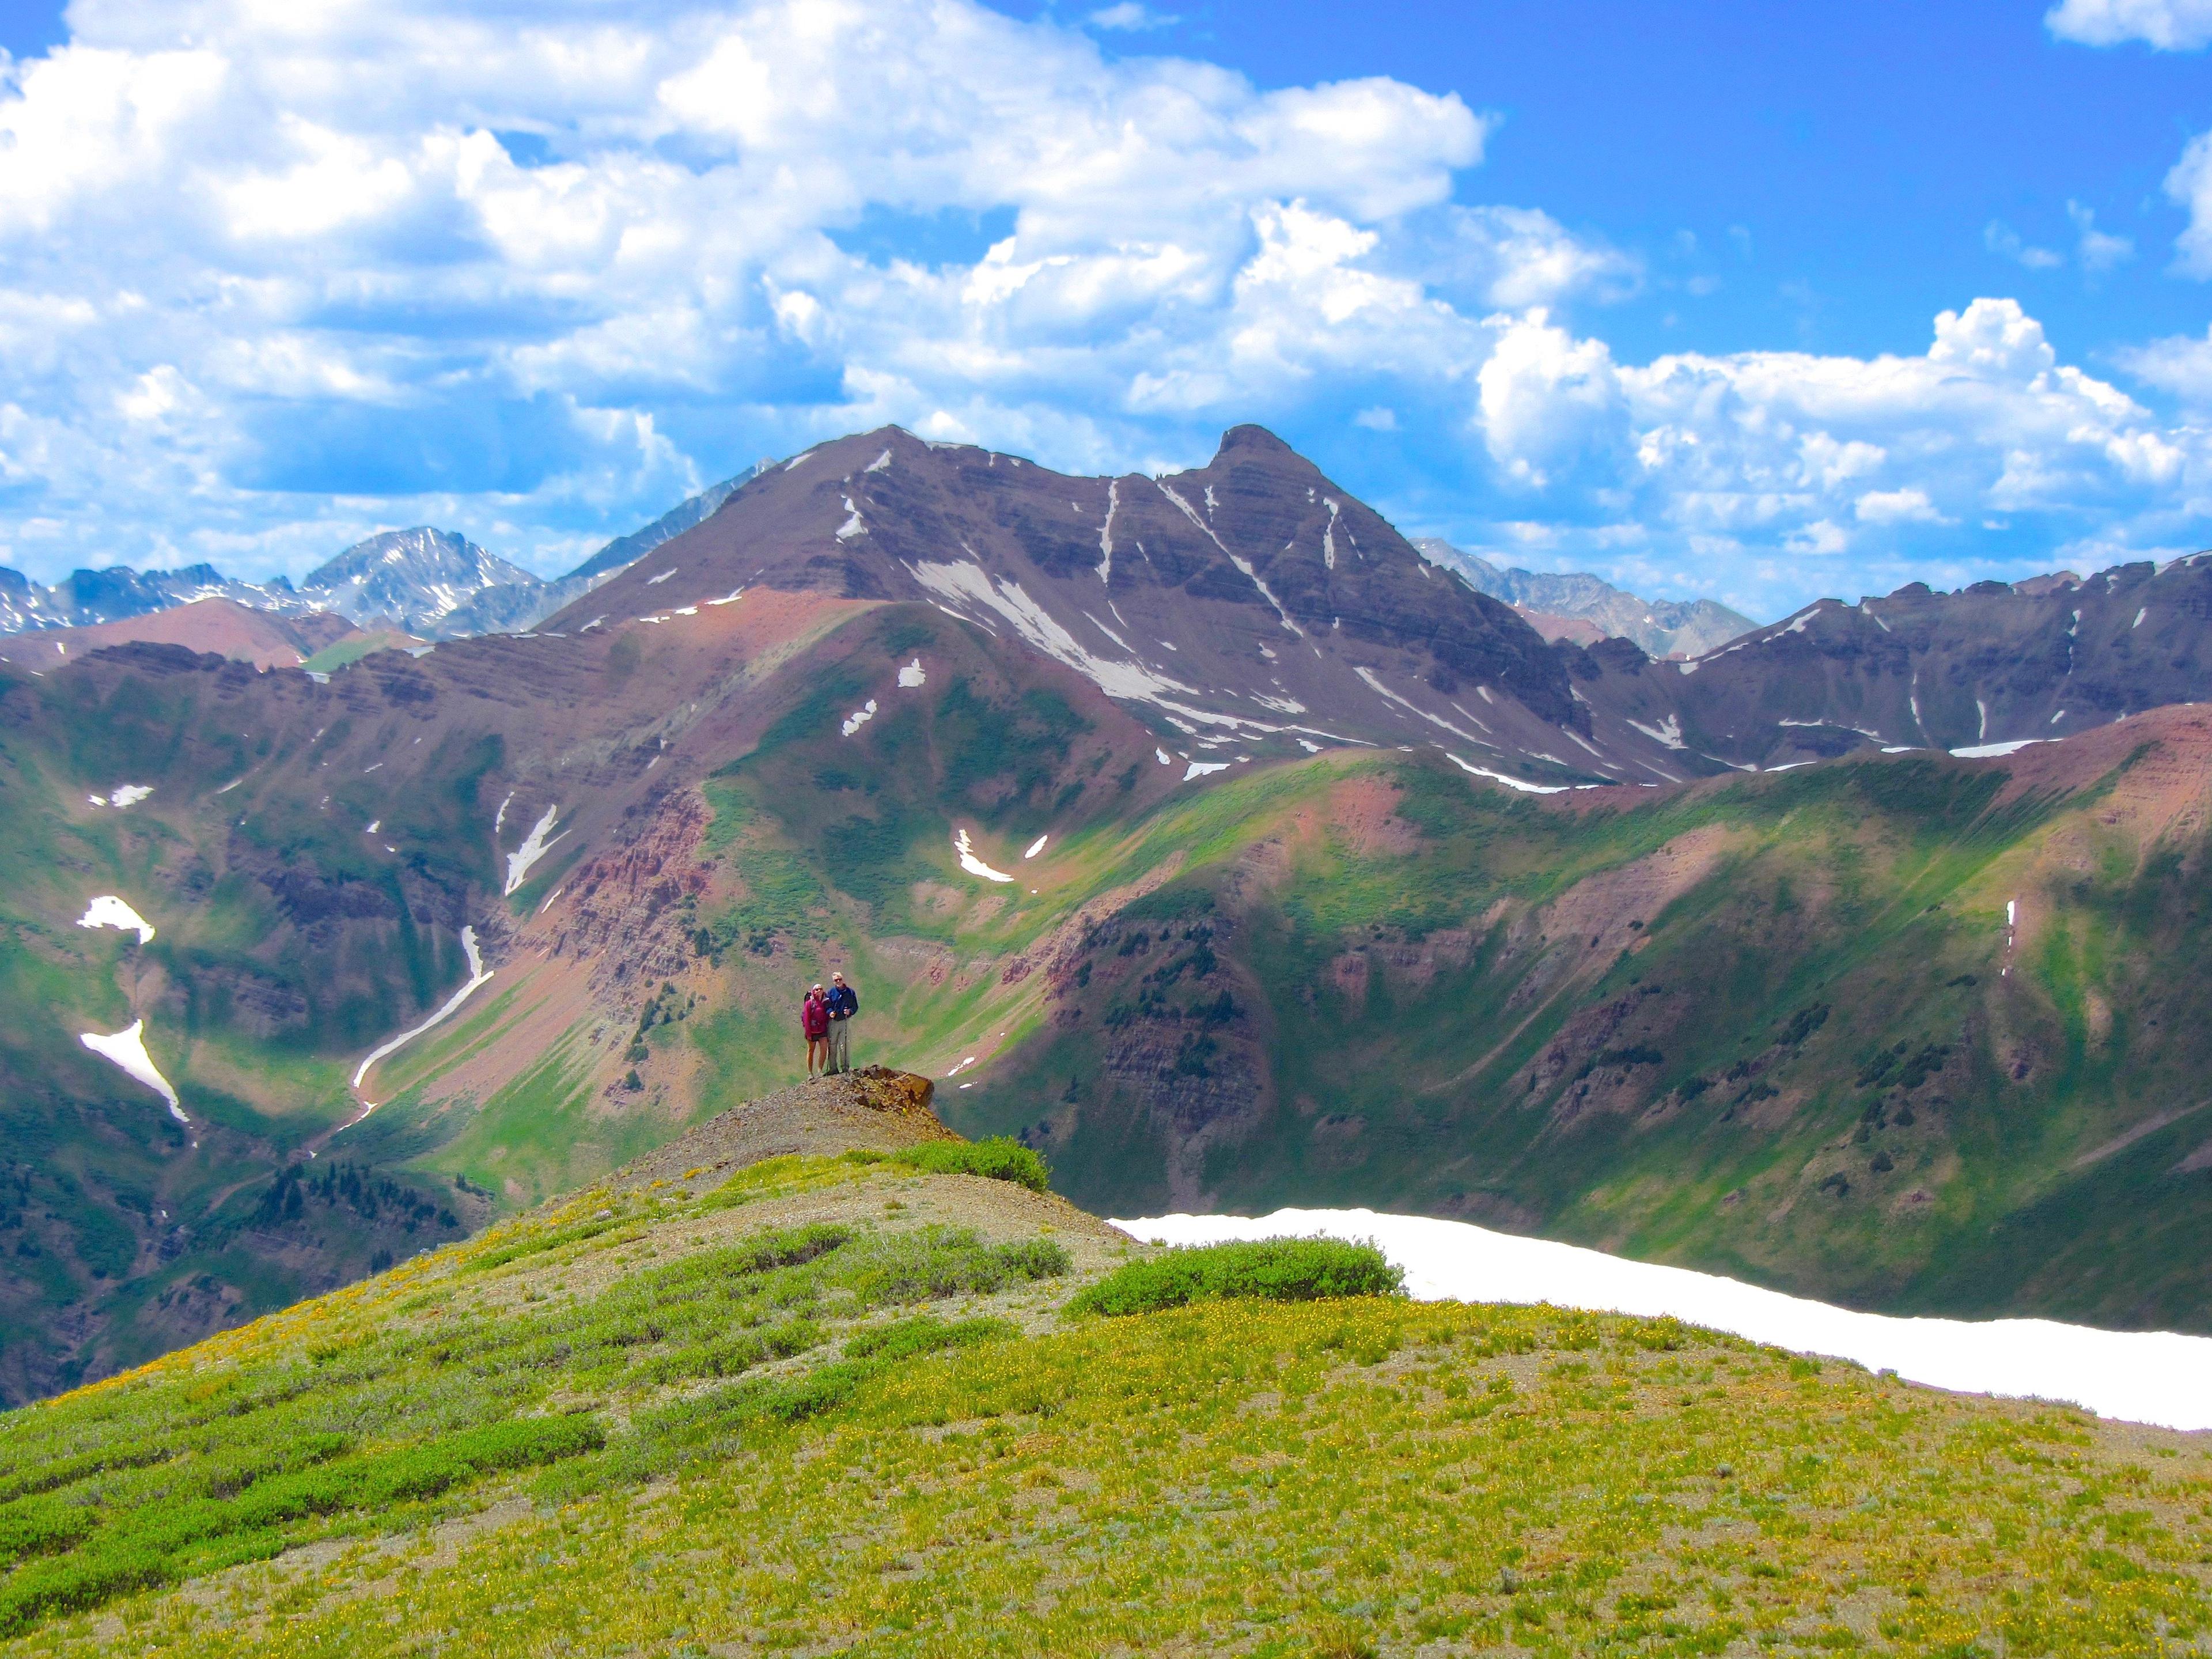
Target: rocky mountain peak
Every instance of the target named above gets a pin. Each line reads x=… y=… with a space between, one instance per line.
x=417 y=579
x=1253 y=440
x=1252 y=600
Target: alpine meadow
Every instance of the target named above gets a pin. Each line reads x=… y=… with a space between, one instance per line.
x=951 y=828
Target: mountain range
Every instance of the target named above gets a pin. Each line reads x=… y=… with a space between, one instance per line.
x=1197 y=830
x=1585 y=610
x=429 y=583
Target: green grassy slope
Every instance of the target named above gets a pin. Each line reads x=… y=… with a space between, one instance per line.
x=1768 y=1027
x=1772 y=1026
x=123 y=1232
x=830 y=1405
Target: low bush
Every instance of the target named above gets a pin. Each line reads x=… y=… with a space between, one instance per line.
x=1001 y=1157
x=903 y=1338
x=159 y=1544
x=1267 y=1269
x=933 y=1262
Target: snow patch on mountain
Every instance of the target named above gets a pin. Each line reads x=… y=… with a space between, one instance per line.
x=1243 y=566
x=1992 y=751
x=1522 y=784
x=2142 y=1376
x=1375 y=684
x=127 y=1049
x=109 y=911
x=534 y=848
x=478 y=975
x=971 y=864
x=1668 y=730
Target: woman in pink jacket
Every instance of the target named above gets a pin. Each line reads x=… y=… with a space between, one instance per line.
x=814 y=1021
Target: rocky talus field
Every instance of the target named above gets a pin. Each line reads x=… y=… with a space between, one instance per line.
x=889 y=1394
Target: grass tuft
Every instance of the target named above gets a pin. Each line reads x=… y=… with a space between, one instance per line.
x=1001 y=1157
x=1267 y=1270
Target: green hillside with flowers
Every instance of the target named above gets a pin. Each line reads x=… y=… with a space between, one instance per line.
x=906 y=1402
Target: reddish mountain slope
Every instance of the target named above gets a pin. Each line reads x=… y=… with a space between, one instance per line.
x=1247 y=606
x=1990 y=664
x=221 y=628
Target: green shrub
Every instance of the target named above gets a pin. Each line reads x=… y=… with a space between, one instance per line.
x=36 y=1526
x=1267 y=1269
x=903 y=1338
x=934 y=1262
x=1001 y=1157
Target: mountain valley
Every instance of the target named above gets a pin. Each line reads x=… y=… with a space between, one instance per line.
x=1198 y=831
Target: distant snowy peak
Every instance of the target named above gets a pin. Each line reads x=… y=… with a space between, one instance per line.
x=1585 y=607
x=86 y=597
x=418 y=579
x=430 y=582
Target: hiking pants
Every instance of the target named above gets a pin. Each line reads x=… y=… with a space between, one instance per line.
x=840 y=1047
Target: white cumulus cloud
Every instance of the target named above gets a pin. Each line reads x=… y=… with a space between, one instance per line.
x=273 y=277
x=270 y=277
x=2168 y=25
x=1757 y=460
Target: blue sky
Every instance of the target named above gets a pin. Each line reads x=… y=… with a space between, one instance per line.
x=1764 y=302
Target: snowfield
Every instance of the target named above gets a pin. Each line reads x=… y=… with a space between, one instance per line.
x=127 y=1048
x=479 y=974
x=2145 y=1376
x=533 y=847
x=971 y=864
x=109 y=911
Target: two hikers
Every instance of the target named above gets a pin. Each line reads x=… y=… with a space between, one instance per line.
x=826 y=1018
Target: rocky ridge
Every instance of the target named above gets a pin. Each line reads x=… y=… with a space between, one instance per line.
x=1584 y=609
x=1992 y=665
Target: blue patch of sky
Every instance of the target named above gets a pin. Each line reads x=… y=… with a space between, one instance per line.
x=29 y=27
x=949 y=236
x=527 y=149
x=467 y=445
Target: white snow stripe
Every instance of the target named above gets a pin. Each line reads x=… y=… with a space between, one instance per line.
x=1243 y=566
x=2145 y=1376
x=534 y=846
x=127 y=1049
x=479 y=974
x=971 y=864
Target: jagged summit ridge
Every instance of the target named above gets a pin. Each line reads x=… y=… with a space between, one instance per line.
x=1586 y=609
x=1249 y=600
x=415 y=578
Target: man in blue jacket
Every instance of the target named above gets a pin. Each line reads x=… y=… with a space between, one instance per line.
x=843 y=1004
